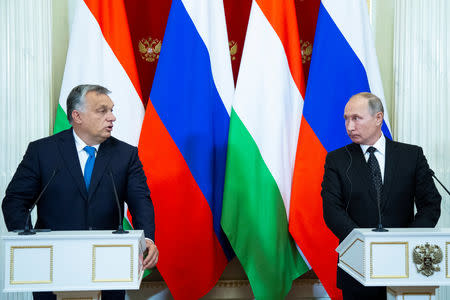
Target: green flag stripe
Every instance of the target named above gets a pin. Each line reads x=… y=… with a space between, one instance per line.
x=254 y=218
x=61 y=122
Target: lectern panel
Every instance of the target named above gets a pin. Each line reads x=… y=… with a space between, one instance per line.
x=389 y=260
x=23 y=257
x=106 y=269
x=353 y=257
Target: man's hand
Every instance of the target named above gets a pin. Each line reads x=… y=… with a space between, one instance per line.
x=152 y=254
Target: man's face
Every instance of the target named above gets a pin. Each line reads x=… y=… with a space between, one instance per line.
x=95 y=123
x=362 y=127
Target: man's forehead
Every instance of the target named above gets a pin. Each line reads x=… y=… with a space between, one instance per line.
x=357 y=102
x=99 y=99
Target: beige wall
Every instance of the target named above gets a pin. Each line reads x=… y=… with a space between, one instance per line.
x=383 y=29
x=60 y=42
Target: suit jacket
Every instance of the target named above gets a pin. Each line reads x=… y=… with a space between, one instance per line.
x=348 y=193
x=66 y=204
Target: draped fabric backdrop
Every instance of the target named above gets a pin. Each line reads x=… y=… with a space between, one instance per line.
x=25 y=88
x=421 y=87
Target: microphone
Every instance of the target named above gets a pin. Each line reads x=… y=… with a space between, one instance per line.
x=434 y=176
x=380 y=227
x=28 y=230
x=120 y=227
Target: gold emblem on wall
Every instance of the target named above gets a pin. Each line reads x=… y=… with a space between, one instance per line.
x=233 y=49
x=150 y=49
x=306 y=49
x=426 y=258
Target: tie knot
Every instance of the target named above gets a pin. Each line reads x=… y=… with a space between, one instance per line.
x=90 y=150
x=371 y=149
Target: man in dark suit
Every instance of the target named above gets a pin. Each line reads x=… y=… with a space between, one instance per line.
x=374 y=166
x=79 y=165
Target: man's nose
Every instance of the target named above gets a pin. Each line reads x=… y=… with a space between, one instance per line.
x=111 y=117
x=350 y=125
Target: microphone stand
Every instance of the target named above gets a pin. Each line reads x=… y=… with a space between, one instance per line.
x=443 y=186
x=380 y=227
x=120 y=229
x=28 y=230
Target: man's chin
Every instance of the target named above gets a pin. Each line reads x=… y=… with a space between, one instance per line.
x=355 y=140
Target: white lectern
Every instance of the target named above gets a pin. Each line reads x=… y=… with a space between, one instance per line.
x=411 y=262
x=73 y=264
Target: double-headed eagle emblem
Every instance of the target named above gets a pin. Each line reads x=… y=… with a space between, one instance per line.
x=150 y=49
x=427 y=257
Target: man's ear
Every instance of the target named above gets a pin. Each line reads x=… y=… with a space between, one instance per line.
x=76 y=117
x=380 y=117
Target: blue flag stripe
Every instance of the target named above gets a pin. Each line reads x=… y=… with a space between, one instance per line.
x=188 y=103
x=336 y=73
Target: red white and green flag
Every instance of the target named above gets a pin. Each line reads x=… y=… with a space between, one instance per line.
x=262 y=143
x=101 y=52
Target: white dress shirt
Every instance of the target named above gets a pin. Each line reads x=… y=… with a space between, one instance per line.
x=380 y=153
x=83 y=155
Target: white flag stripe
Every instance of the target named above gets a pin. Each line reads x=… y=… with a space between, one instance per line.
x=90 y=60
x=268 y=101
x=354 y=14
x=209 y=20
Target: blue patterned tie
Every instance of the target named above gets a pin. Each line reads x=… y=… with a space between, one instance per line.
x=89 y=166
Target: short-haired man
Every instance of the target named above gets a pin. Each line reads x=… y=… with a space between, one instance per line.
x=79 y=165
x=372 y=170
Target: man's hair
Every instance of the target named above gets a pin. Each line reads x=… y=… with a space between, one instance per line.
x=77 y=97
x=375 y=104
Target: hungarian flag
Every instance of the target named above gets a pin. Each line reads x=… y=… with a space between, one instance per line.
x=264 y=126
x=100 y=52
x=343 y=63
x=183 y=146
x=116 y=45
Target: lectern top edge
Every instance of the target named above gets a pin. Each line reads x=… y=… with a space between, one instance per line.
x=73 y=234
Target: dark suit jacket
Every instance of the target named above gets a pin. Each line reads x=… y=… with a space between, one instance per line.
x=66 y=204
x=349 y=198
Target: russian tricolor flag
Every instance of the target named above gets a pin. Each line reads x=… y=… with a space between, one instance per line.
x=343 y=63
x=183 y=146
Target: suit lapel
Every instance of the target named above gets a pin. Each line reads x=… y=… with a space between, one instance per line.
x=68 y=151
x=362 y=169
x=101 y=162
x=391 y=160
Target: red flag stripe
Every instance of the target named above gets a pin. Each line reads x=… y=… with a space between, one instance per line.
x=306 y=222
x=173 y=188
x=282 y=16
x=112 y=19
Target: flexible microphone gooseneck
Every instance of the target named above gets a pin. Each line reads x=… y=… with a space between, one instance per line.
x=380 y=227
x=28 y=230
x=443 y=186
x=120 y=229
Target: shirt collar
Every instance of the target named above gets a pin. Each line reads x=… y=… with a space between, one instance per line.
x=380 y=145
x=80 y=144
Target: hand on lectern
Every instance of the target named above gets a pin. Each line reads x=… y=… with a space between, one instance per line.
x=152 y=254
